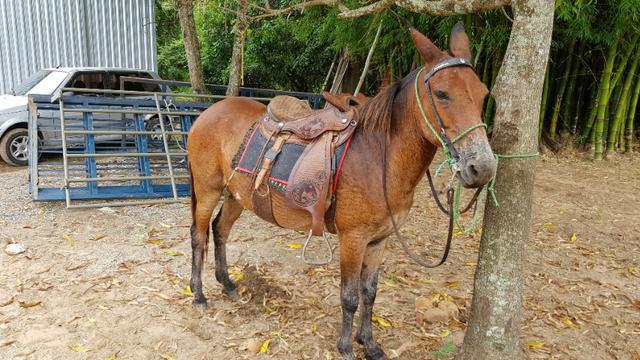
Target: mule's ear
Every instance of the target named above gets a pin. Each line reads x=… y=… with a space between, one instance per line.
x=429 y=52
x=459 y=43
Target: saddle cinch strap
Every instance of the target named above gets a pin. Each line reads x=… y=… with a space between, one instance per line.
x=310 y=182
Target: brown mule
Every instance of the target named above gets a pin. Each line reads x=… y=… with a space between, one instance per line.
x=392 y=140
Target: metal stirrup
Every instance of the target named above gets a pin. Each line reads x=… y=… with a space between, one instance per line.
x=304 y=250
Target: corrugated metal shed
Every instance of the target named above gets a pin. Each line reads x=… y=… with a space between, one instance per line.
x=36 y=34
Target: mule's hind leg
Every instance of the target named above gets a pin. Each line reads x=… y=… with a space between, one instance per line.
x=368 y=289
x=228 y=214
x=202 y=205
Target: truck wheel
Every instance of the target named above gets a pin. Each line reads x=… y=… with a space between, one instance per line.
x=14 y=147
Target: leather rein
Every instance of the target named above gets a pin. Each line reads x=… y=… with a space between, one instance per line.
x=452 y=156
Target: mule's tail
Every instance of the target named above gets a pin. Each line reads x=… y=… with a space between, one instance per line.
x=194 y=200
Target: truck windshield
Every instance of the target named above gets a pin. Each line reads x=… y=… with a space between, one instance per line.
x=48 y=84
x=31 y=82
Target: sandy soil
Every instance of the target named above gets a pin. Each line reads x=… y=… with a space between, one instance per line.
x=112 y=283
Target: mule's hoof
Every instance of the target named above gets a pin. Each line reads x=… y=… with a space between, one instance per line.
x=375 y=354
x=348 y=356
x=199 y=304
x=232 y=293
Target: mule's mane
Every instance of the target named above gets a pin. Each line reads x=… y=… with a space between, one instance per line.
x=375 y=116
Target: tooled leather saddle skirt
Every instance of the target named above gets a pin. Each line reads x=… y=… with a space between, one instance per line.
x=298 y=152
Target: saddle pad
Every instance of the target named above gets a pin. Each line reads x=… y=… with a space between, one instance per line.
x=249 y=157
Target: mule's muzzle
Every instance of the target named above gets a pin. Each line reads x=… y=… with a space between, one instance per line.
x=477 y=165
x=476 y=173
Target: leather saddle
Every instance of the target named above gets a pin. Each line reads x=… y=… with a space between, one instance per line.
x=309 y=187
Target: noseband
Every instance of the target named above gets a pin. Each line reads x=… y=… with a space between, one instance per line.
x=451 y=154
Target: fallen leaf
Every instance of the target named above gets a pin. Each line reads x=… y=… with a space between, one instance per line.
x=452 y=284
x=471 y=263
x=187 y=291
x=294 y=246
x=166 y=226
x=547 y=224
x=25 y=304
x=633 y=271
x=569 y=323
x=97 y=237
x=381 y=321
x=77 y=348
x=154 y=241
x=167 y=357
x=390 y=283
x=236 y=274
x=162 y=296
x=112 y=357
x=445 y=332
x=172 y=253
x=91 y=320
x=535 y=344
x=573 y=238
x=265 y=346
x=69 y=240
x=103 y=307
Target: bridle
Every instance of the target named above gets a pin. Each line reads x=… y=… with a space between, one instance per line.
x=452 y=157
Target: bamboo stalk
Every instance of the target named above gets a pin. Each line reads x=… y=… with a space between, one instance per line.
x=570 y=95
x=563 y=85
x=628 y=146
x=604 y=99
x=618 y=122
x=543 y=104
x=587 y=131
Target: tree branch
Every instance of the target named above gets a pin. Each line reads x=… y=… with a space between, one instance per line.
x=301 y=6
x=440 y=7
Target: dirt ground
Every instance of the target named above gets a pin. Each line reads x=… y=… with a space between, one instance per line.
x=113 y=283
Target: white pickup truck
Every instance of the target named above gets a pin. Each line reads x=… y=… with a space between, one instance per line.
x=14 y=113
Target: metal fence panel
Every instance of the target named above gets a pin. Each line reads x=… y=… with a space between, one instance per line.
x=37 y=34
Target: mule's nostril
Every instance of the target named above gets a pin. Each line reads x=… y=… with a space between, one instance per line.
x=474 y=172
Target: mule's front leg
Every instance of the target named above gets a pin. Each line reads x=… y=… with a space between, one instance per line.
x=369 y=287
x=350 y=265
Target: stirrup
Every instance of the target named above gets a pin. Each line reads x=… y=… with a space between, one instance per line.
x=304 y=250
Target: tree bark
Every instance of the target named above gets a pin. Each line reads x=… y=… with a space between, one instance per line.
x=496 y=312
x=235 y=67
x=191 y=45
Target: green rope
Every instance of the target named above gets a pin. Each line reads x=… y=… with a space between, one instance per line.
x=492 y=184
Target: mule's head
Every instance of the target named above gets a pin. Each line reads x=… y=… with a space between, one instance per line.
x=455 y=108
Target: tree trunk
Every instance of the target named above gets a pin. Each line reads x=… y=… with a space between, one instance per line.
x=618 y=121
x=496 y=310
x=628 y=135
x=604 y=100
x=235 y=67
x=563 y=85
x=191 y=46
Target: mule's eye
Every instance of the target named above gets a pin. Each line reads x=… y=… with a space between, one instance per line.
x=441 y=95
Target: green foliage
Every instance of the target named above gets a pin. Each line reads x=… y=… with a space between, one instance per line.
x=444 y=351
x=294 y=52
